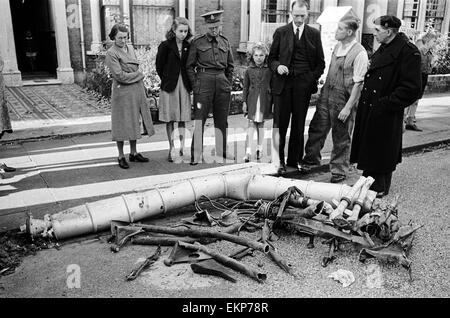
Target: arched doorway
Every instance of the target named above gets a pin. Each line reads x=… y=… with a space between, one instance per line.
x=34 y=37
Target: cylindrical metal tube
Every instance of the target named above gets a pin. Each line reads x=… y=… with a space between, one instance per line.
x=97 y=216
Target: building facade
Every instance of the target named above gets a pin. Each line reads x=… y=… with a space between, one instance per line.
x=57 y=40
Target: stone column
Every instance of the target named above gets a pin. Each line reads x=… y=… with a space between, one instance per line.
x=96 y=43
x=191 y=10
x=125 y=6
x=182 y=8
x=400 y=7
x=11 y=71
x=421 y=19
x=358 y=7
x=255 y=21
x=446 y=23
x=64 y=71
x=330 y=3
x=244 y=26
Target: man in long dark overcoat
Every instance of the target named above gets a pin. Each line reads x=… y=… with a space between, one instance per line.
x=391 y=84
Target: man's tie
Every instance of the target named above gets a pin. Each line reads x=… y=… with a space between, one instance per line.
x=297 y=33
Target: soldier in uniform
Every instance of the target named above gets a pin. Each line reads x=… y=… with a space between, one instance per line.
x=392 y=83
x=210 y=70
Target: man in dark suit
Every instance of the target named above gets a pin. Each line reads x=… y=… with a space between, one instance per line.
x=392 y=83
x=297 y=61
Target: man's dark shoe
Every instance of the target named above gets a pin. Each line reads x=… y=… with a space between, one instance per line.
x=195 y=162
x=382 y=194
x=306 y=167
x=412 y=127
x=281 y=169
x=138 y=157
x=336 y=178
x=170 y=155
x=123 y=163
x=5 y=168
x=289 y=168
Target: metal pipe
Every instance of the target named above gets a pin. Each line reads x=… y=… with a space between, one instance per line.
x=263 y=247
x=83 y=53
x=346 y=200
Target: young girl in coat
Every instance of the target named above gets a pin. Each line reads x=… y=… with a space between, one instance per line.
x=257 y=105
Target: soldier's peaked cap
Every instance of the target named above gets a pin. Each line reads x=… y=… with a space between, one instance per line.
x=212 y=16
x=388 y=21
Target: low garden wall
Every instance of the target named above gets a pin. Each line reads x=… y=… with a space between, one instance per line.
x=438 y=84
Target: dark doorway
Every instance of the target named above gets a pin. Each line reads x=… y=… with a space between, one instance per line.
x=34 y=36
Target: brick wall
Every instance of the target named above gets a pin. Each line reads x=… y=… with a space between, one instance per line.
x=232 y=23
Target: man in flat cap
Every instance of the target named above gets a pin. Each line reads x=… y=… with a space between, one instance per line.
x=392 y=83
x=210 y=71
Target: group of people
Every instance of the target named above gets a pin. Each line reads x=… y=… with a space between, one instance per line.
x=362 y=102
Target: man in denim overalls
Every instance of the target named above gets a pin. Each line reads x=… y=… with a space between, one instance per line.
x=337 y=104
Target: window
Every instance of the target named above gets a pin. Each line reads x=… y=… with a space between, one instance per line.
x=276 y=11
x=435 y=13
x=315 y=9
x=411 y=13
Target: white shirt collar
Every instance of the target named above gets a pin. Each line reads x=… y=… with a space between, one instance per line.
x=302 y=27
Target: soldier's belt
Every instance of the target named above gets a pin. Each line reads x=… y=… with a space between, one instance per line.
x=210 y=70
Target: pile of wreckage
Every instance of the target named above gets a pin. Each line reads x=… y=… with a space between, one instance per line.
x=336 y=212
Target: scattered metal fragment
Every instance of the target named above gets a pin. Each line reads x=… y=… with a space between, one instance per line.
x=205 y=233
x=144 y=265
x=183 y=255
x=330 y=256
x=313 y=227
x=121 y=234
x=168 y=240
x=212 y=267
x=228 y=261
x=272 y=252
x=241 y=253
x=391 y=254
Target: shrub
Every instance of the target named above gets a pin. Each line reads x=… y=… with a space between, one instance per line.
x=441 y=56
x=238 y=82
x=99 y=79
x=441 y=52
x=146 y=56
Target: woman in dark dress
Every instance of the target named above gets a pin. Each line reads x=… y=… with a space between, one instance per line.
x=174 y=100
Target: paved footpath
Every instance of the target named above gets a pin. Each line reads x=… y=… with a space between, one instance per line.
x=68 y=162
